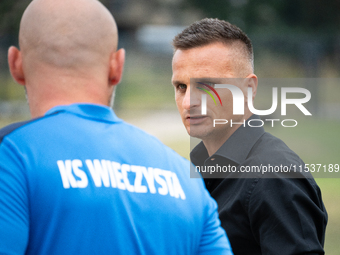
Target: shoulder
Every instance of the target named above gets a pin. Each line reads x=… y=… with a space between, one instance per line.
x=281 y=174
x=275 y=147
x=271 y=151
x=25 y=129
x=5 y=131
x=277 y=174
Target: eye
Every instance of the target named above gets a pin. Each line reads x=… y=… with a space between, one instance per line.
x=181 y=87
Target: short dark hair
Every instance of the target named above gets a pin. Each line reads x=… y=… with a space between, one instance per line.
x=208 y=31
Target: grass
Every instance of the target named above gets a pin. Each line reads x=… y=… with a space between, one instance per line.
x=331 y=196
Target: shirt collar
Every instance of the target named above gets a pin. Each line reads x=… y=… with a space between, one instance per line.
x=92 y=111
x=236 y=148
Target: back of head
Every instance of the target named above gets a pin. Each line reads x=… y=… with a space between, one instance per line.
x=67 y=34
x=207 y=31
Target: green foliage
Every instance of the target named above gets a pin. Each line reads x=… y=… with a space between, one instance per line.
x=330 y=189
x=10 y=13
x=300 y=15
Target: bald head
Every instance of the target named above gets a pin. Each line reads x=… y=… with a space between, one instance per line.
x=68 y=54
x=67 y=34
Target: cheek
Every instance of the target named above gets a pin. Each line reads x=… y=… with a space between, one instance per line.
x=227 y=104
x=179 y=100
x=226 y=97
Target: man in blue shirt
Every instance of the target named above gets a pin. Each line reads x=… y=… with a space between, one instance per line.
x=76 y=179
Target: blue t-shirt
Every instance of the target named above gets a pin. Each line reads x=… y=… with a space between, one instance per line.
x=81 y=181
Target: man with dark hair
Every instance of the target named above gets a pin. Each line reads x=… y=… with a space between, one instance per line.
x=262 y=214
x=76 y=179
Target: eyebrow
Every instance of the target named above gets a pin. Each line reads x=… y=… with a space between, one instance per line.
x=176 y=82
x=206 y=81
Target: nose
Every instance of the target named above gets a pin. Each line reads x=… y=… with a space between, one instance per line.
x=186 y=100
x=191 y=99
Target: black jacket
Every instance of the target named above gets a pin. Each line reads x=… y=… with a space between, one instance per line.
x=263 y=212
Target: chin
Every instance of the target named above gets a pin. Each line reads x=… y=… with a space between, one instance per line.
x=196 y=134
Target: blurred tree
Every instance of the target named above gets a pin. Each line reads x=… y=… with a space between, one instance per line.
x=10 y=13
x=311 y=16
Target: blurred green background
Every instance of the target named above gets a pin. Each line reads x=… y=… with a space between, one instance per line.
x=291 y=38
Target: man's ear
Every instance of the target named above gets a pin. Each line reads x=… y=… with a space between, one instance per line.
x=15 y=65
x=116 y=67
x=252 y=81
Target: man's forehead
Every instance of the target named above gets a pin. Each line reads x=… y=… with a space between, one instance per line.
x=204 y=61
x=210 y=55
x=215 y=59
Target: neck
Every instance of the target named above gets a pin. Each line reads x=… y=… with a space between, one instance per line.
x=44 y=94
x=213 y=143
x=39 y=109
